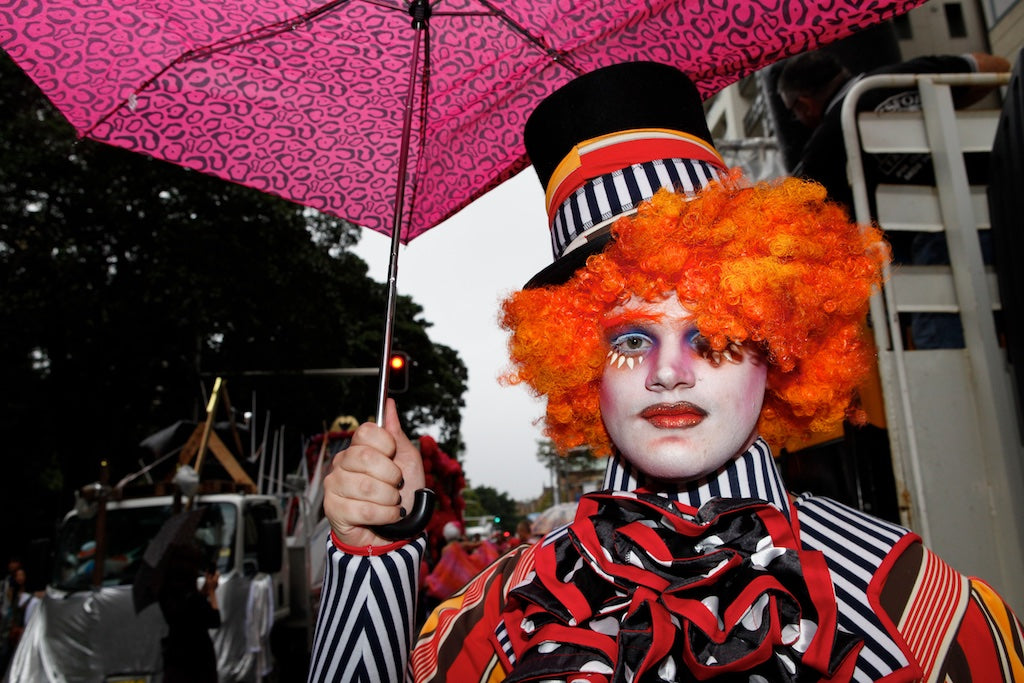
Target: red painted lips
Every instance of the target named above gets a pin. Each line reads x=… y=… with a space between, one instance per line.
x=674 y=415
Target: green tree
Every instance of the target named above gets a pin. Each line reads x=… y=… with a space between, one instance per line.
x=575 y=460
x=497 y=504
x=128 y=283
x=473 y=506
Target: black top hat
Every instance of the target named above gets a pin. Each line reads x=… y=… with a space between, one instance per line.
x=605 y=142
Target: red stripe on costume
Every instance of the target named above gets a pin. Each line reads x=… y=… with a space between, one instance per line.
x=424 y=660
x=819 y=583
x=979 y=647
x=365 y=550
x=597 y=162
x=522 y=570
x=1004 y=628
x=912 y=672
x=916 y=621
x=935 y=608
x=457 y=642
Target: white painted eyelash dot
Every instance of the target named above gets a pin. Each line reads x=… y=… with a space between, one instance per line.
x=618 y=360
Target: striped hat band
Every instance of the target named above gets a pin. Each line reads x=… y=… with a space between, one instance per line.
x=606 y=177
x=592 y=209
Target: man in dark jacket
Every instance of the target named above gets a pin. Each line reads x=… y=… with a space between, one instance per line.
x=813 y=87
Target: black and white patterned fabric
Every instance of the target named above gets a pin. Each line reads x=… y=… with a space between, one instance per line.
x=365 y=633
x=367 y=613
x=589 y=211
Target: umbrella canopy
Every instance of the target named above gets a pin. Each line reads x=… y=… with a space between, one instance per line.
x=180 y=529
x=315 y=101
x=554 y=517
x=305 y=99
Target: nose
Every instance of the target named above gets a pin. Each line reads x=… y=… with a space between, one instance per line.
x=673 y=367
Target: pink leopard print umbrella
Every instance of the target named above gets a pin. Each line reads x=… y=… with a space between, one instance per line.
x=316 y=101
x=304 y=99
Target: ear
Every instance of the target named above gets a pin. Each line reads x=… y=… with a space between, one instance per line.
x=803 y=100
x=806 y=108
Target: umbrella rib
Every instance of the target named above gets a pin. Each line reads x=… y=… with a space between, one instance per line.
x=556 y=56
x=422 y=142
x=227 y=44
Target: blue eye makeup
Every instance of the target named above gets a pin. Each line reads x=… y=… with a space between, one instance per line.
x=732 y=352
x=630 y=347
x=698 y=342
x=632 y=342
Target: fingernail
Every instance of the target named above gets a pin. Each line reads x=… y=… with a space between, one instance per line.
x=401 y=483
x=402 y=512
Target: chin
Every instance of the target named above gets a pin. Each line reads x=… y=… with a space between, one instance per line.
x=670 y=470
x=673 y=463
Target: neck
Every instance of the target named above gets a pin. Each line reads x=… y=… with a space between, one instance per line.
x=751 y=474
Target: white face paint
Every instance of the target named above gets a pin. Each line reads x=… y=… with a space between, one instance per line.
x=673 y=408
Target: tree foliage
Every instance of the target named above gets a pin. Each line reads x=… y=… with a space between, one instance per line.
x=496 y=504
x=127 y=284
x=577 y=459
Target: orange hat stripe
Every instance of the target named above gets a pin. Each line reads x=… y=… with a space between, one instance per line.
x=576 y=169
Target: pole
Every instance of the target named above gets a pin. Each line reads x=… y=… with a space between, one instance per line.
x=99 y=555
x=211 y=409
x=420 y=11
x=423 y=504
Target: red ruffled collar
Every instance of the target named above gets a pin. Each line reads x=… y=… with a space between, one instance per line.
x=642 y=588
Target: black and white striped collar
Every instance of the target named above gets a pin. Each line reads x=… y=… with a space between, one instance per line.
x=751 y=474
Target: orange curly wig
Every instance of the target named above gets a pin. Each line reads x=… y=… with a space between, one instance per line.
x=773 y=265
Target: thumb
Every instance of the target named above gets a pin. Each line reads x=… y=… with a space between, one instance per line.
x=391 y=422
x=407 y=455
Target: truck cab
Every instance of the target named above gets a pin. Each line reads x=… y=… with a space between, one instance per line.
x=89 y=629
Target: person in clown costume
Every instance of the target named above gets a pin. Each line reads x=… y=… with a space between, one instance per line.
x=692 y=324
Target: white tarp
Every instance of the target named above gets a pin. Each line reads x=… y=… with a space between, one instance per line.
x=88 y=636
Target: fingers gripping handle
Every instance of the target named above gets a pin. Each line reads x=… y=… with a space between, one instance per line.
x=414 y=523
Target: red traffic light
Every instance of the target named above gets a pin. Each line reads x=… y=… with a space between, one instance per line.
x=398 y=372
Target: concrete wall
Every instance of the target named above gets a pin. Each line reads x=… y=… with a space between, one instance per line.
x=1007 y=33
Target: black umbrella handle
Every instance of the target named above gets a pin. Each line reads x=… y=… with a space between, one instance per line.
x=413 y=524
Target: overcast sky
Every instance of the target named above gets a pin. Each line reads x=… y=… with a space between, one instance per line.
x=459 y=271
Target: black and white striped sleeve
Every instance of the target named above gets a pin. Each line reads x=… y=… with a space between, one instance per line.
x=367 y=614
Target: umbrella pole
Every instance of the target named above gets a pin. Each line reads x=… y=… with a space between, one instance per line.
x=423 y=506
x=420 y=11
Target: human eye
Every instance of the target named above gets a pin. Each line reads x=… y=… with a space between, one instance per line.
x=629 y=348
x=631 y=343
x=700 y=344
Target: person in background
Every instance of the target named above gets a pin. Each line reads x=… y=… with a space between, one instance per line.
x=813 y=87
x=8 y=589
x=190 y=612
x=691 y=322
x=460 y=561
x=524 y=534
x=22 y=602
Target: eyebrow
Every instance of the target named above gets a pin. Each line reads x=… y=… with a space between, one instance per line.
x=630 y=317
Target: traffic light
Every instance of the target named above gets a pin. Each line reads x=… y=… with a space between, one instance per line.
x=398 y=372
